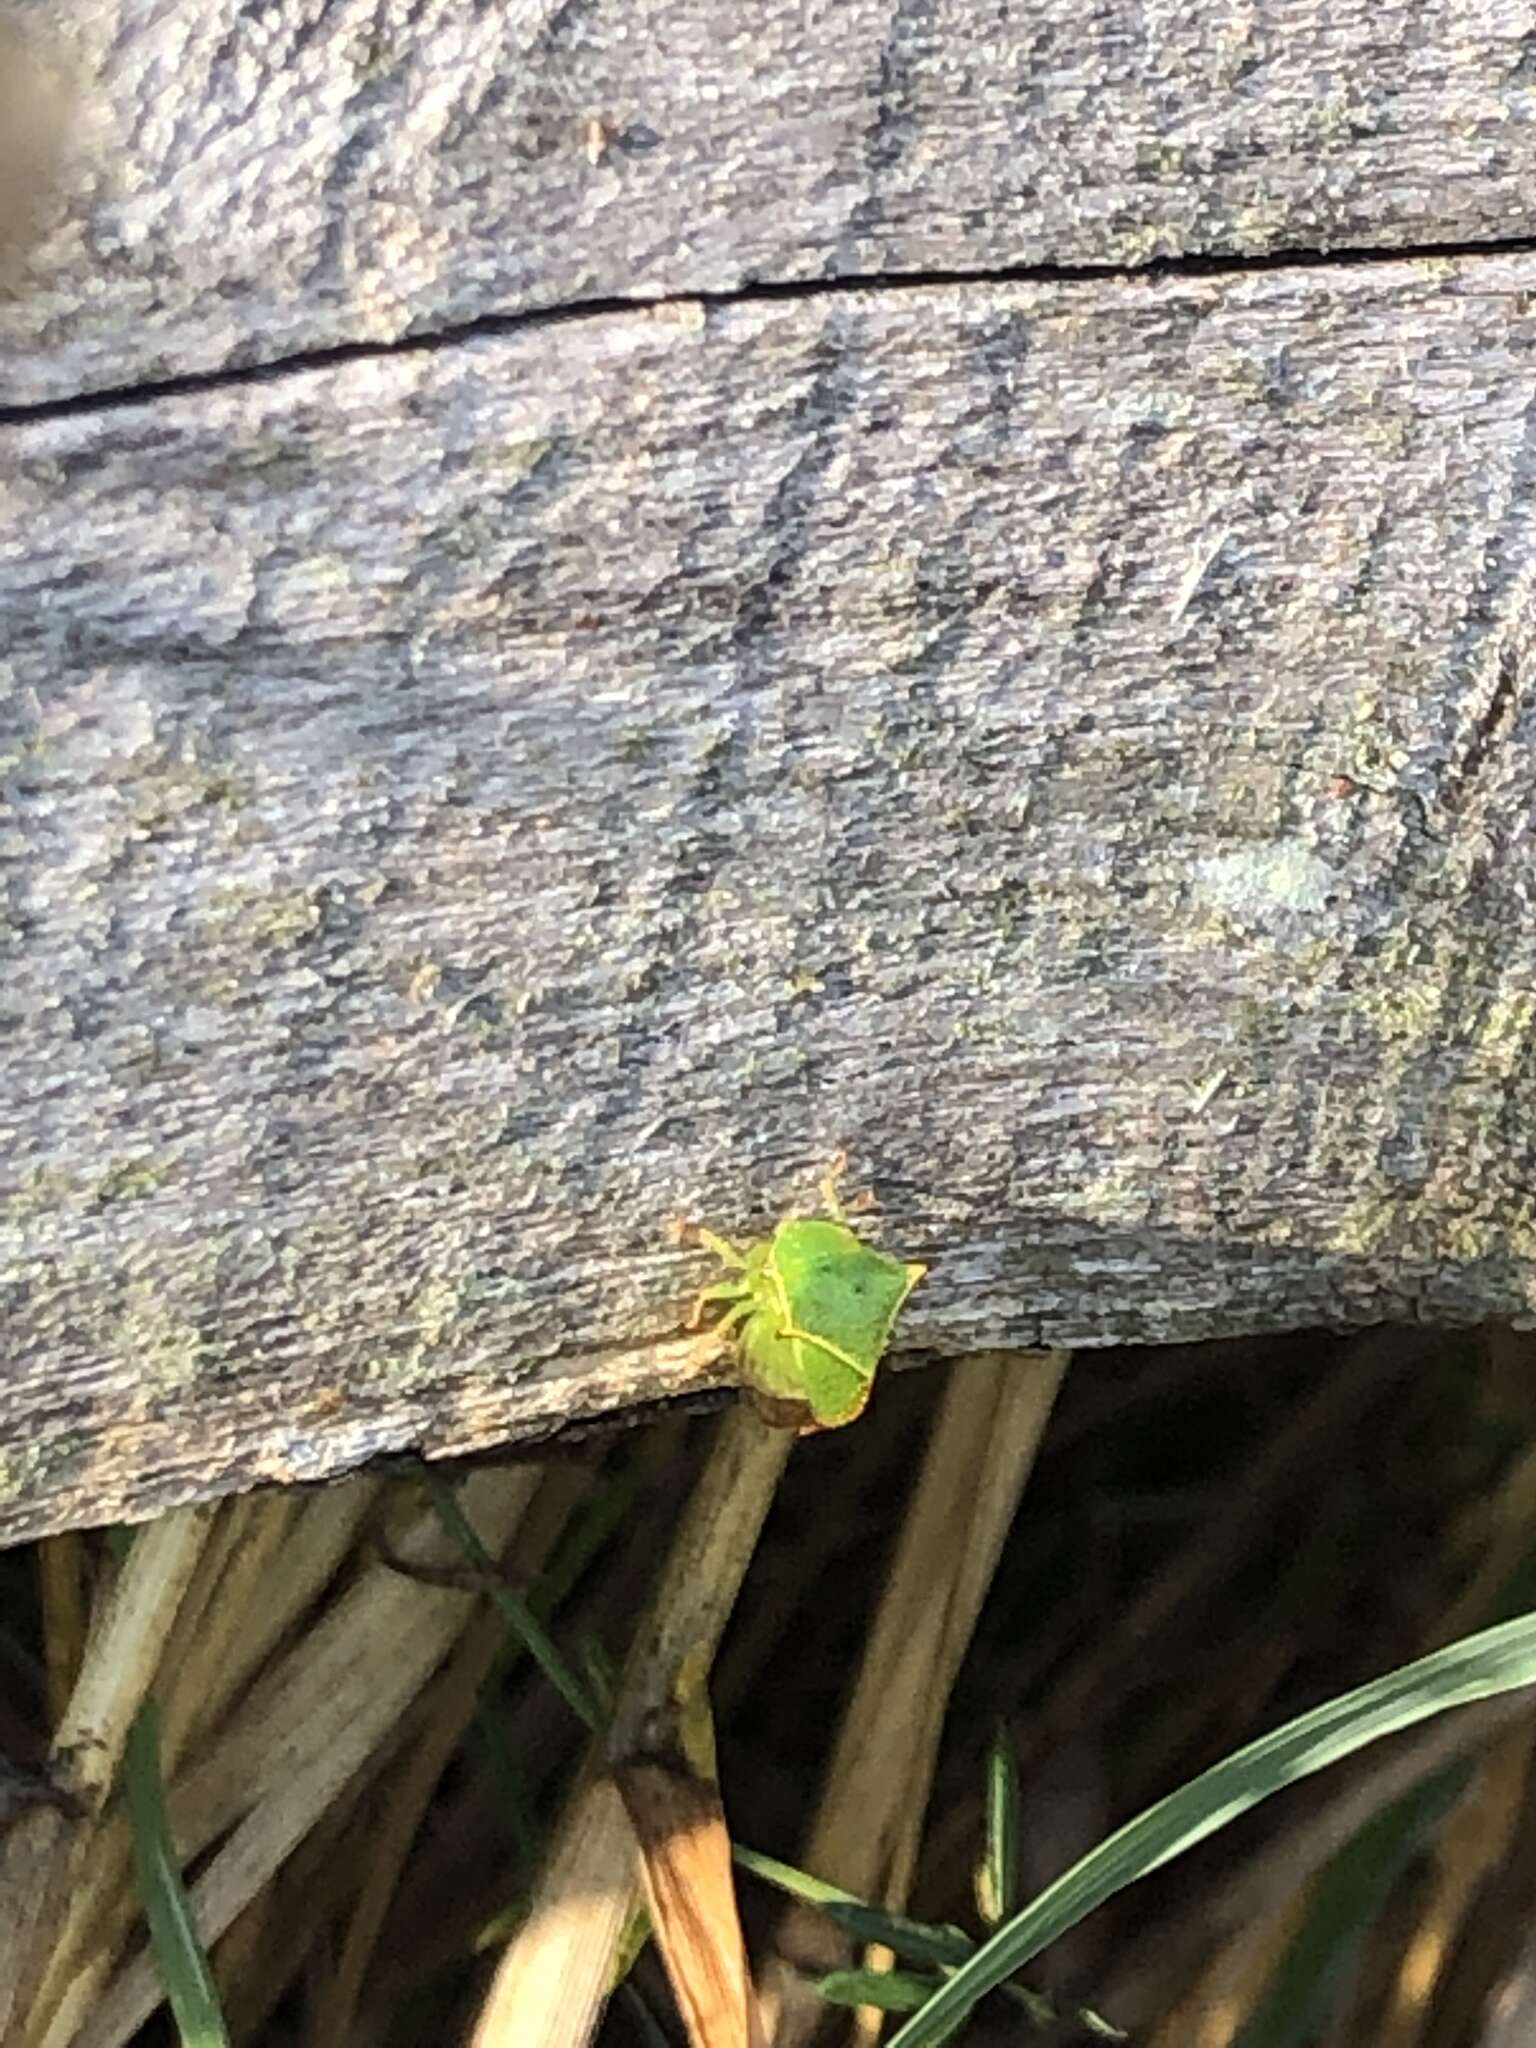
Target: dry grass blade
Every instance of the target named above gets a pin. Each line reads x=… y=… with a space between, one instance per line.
x=291 y=1749
x=867 y=1831
x=454 y=1697
x=558 y=1970
x=672 y=1797
x=41 y=1858
x=555 y=1977
x=448 y=1709
x=201 y=1673
x=210 y=1656
x=123 y=1653
x=685 y=1861
x=61 y=1574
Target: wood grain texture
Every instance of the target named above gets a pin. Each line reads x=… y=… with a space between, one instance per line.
x=254 y=179
x=1070 y=744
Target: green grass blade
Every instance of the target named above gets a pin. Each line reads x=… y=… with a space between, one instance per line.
x=915 y=1941
x=600 y=1675
x=799 y=1884
x=887 y=1990
x=513 y=1608
x=173 y=1936
x=1495 y=1661
x=997 y=1881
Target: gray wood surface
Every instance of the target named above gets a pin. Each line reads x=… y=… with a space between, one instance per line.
x=1069 y=743
x=252 y=179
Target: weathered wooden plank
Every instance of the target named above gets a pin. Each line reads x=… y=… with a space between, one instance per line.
x=1071 y=745
x=257 y=178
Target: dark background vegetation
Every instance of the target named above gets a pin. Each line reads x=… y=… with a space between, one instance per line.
x=1214 y=1538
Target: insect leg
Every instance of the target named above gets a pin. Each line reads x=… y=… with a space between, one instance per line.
x=733 y=1317
x=729 y=1254
x=723 y=1290
x=829 y=1181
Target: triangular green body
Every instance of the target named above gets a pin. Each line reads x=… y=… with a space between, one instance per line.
x=832 y=1301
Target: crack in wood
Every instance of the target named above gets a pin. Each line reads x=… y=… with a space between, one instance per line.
x=1495 y=720
x=1161 y=269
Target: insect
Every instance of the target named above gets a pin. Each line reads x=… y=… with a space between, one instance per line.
x=810 y=1311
